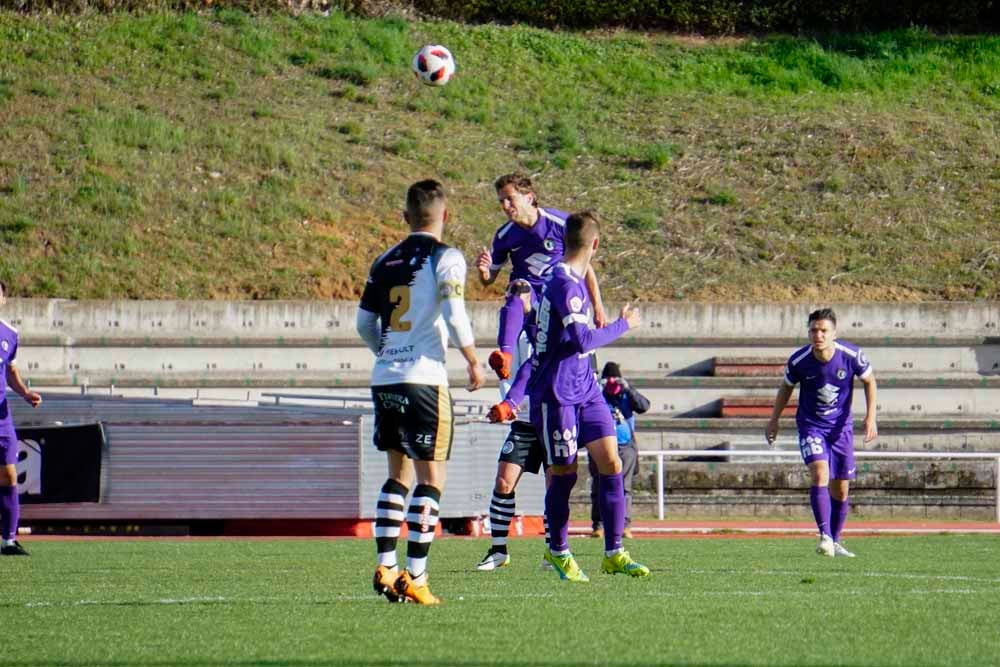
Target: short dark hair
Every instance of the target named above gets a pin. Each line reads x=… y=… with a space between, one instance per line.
x=421 y=198
x=823 y=314
x=581 y=230
x=519 y=180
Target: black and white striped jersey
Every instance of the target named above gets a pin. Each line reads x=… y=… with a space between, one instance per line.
x=416 y=292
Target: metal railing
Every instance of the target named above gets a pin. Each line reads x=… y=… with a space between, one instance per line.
x=662 y=454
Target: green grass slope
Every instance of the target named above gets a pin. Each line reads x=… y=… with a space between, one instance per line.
x=223 y=155
x=913 y=601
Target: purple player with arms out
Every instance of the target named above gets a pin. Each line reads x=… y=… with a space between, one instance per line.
x=826 y=368
x=533 y=240
x=567 y=407
x=9 y=505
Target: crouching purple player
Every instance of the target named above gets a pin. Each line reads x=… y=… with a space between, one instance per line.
x=826 y=369
x=567 y=407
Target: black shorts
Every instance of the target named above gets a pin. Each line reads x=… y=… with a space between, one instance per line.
x=415 y=419
x=523 y=448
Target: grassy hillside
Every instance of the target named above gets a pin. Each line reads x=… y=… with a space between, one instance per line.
x=229 y=156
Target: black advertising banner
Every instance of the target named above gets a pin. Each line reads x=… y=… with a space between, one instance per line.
x=59 y=464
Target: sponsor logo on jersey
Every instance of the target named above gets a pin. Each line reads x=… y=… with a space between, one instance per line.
x=5 y=345
x=828 y=394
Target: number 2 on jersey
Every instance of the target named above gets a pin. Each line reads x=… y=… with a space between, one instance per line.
x=399 y=296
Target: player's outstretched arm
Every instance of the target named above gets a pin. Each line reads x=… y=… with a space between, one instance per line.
x=15 y=382
x=780 y=401
x=594 y=289
x=871 y=391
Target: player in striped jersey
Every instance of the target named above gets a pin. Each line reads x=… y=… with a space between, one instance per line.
x=533 y=240
x=826 y=369
x=10 y=377
x=412 y=303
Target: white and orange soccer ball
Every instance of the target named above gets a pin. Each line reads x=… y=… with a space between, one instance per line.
x=434 y=65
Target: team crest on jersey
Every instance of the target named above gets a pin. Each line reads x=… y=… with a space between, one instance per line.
x=508 y=447
x=841 y=374
x=549 y=244
x=576 y=304
x=5 y=345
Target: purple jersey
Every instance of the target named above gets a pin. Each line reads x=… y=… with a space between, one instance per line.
x=827 y=387
x=8 y=351
x=532 y=252
x=560 y=365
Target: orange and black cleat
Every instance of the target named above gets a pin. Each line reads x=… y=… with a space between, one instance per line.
x=383 y=582
x=408 y=591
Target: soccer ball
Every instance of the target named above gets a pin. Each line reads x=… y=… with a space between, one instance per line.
x=434 y=65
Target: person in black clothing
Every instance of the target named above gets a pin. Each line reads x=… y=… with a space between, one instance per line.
x=625 y=402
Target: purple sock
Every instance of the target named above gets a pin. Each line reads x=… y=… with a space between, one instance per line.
x=612 y=499
x=557 y=510
x=819 y=498
x=10 y=512
x=511 y=323
x=839 y=509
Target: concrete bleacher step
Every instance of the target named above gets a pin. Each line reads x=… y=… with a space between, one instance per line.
x=748 y=366
x=753 y=406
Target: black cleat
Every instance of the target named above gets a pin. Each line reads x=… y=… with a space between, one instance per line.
x=14 y=549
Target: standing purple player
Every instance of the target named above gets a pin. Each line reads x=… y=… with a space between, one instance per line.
x=567 y=407
x=533 y=240
x=10 y=508
x=827 y=368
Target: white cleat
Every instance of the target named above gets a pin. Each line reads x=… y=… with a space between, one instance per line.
x=840 y=551
x=493 y=561
x=826 y=546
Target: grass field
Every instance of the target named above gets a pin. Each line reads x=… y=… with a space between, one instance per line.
x=140 y=153
x=904 y=601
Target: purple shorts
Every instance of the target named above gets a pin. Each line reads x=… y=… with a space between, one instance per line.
x=8 y=444
x=564 y=428
x=834 y=447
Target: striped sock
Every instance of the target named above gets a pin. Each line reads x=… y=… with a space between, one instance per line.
x=545 y=522
x=388 y=519
x=501 y=513
x=421 y=520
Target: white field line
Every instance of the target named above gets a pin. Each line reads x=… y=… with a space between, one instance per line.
x=714 y=530
x=877 y=575
x=473 y=597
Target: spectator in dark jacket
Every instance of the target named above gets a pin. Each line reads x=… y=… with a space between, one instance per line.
x=625 y=402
